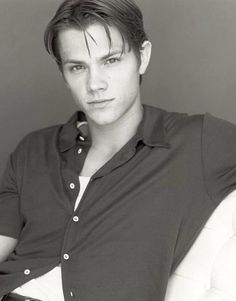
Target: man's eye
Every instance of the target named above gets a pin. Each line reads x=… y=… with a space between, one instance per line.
x=77 y=68
x=112 y=60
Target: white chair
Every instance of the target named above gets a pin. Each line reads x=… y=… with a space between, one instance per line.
x=208 y=271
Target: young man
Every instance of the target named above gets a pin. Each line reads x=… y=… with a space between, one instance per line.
x=105 y=206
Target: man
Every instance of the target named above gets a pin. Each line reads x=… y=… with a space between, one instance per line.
x=105 y=206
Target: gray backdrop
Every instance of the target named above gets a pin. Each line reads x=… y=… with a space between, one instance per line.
x=193 y=67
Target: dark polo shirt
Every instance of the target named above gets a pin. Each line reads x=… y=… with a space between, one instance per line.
x=138 y=216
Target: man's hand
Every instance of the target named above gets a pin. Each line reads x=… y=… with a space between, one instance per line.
x=7 y=245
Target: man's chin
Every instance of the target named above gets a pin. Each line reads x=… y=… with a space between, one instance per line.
x=103 y=119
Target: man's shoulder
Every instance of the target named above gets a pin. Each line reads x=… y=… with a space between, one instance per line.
x=38 y=140
x=179 y=121
x=43 y=133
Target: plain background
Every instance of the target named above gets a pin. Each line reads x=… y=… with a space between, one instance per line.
x=193 y=66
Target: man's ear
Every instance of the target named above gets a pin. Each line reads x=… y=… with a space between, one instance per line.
x=145 y=55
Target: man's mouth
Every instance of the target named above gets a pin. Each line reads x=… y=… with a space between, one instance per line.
x=98 y=101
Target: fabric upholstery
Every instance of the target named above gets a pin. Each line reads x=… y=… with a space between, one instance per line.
x=208 y=271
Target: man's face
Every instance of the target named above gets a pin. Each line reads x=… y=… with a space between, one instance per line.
x=103 y=80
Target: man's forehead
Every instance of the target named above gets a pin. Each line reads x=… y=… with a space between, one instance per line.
x=94 y=39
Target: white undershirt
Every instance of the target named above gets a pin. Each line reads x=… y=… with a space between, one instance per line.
x=48 y=287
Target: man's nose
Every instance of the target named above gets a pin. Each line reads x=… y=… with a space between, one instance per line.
x=96 y=80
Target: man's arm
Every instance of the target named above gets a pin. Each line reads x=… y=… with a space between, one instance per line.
x=7 y=245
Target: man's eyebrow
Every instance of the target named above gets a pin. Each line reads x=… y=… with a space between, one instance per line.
x=71 y=61
x=111 y=53
x=106 y=56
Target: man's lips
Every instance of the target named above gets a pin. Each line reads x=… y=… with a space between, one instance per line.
x=97 y=101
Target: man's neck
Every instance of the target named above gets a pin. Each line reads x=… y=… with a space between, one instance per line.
x=113 y=136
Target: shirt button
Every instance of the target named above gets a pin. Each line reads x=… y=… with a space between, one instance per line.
x=72 y=186
x=80 y=151
x=27 y=272
x=75 y=219
x=71 y=294
x=81 y=138
x=66 y=256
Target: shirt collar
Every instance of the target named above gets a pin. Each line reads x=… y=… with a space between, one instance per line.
x=73 y=130
x=151 y=129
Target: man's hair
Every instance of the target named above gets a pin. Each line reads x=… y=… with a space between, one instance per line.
x=125 y=15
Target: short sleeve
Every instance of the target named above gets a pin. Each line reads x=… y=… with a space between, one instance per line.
x=10 y=220
x=219 y=156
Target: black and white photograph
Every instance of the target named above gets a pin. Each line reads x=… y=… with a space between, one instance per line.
x=118 y=150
